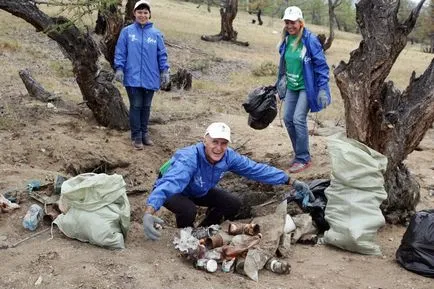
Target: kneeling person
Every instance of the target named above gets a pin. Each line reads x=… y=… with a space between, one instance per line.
x=190 y=177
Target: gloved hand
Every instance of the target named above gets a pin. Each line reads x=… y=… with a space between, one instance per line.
x=303 y=188
x=119 y=75
x=164 y=79
x=322 y=98
x=149 y=221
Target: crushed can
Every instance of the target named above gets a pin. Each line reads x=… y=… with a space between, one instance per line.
x=278 y=266
x=208 y=265
x=227 y=265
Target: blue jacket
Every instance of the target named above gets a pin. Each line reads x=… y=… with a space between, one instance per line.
x=315 y=70
x=142 y=56
x=192 y=175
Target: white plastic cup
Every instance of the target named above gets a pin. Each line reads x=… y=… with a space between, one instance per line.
x=289 y=224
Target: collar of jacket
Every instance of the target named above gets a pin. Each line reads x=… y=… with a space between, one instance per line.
x=303 y=40
x=201 y=150
x=146 y=26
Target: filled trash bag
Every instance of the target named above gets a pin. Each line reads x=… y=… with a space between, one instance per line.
x=314 y=204
x=416 y=252
x=261 y=105
x=354 y=196
x=95 y=209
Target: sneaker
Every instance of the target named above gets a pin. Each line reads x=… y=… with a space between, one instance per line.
x=137 y=145
x=147 y=141
x=298 y=167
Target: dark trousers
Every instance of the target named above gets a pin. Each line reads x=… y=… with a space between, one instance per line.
x=221 y=205
x=140 y=110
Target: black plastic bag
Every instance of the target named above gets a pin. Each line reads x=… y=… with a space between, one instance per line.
x=316 y=208
x=261 y=105
x=416 y=252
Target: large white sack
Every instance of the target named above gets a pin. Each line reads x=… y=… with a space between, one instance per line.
x=354 y=196
x=95 y=209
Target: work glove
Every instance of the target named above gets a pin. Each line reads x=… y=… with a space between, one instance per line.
x=303 y=189
x=149 y=222
x=164 y=79
x=119 y=75
x=322 y=98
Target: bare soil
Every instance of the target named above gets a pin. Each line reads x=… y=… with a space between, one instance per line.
x=39 y=142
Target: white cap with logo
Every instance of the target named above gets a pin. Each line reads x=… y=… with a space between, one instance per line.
x=219 y=130
x=292 y=13
x=144 y=2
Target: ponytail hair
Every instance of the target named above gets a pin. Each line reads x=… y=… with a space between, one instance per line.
x=297 y=40
x=299 y=35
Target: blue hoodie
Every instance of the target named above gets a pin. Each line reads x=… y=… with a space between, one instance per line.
x=140 y=53
x=191 y=174
x=315 y=70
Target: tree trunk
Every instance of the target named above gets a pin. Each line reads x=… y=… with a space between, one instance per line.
x=378 y=114
x=228 y=12
x=101 y=96
x=332 y=16
x=109 y=24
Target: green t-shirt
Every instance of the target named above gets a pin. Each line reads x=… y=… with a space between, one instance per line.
x=294 y=65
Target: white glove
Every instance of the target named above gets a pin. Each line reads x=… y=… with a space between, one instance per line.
x=149 y=222
x=164 y=79
x=119 y=76
x=322 y=98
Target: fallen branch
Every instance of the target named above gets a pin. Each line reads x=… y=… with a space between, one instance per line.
x=35 y=89
x=28 y=238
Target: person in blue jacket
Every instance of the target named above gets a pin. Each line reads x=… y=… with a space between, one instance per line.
x=190 y=177
x=141 y=65
x=302 y=83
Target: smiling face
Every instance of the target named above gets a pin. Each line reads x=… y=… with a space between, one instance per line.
x=293 y=27
x=215 y=148
x=142 y=15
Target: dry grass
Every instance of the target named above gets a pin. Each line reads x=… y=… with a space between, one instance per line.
x=183 y=23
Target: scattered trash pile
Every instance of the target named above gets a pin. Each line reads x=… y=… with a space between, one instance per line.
x=238 y=247
x=47 y=195
x=89 y=207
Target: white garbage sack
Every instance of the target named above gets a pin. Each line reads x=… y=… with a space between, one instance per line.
x=95 y=209
x=354 y=195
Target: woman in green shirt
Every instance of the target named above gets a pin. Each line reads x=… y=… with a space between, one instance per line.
x=302 y=83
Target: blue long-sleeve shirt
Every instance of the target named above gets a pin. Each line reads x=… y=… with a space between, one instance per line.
x=191 y=174
x=141 y=54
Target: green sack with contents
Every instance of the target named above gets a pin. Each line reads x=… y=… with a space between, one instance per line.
x=354 y=196
x=95 y=209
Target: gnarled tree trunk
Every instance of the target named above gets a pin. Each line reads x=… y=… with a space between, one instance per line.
x=101 y=96
x=109 y=24
x=332 y=19
x=378 y=114
x=228 y=12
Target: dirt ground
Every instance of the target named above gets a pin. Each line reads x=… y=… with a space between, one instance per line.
x=39 y=142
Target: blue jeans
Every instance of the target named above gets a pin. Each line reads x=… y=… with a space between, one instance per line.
x=140 y=109
x=295 y=119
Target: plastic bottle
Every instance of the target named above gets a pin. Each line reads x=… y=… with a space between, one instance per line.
x=32 y=217
x=278 y=266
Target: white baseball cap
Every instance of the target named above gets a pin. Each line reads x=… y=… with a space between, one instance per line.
x=219 y=130
x=144 y=2
x=292 y=13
